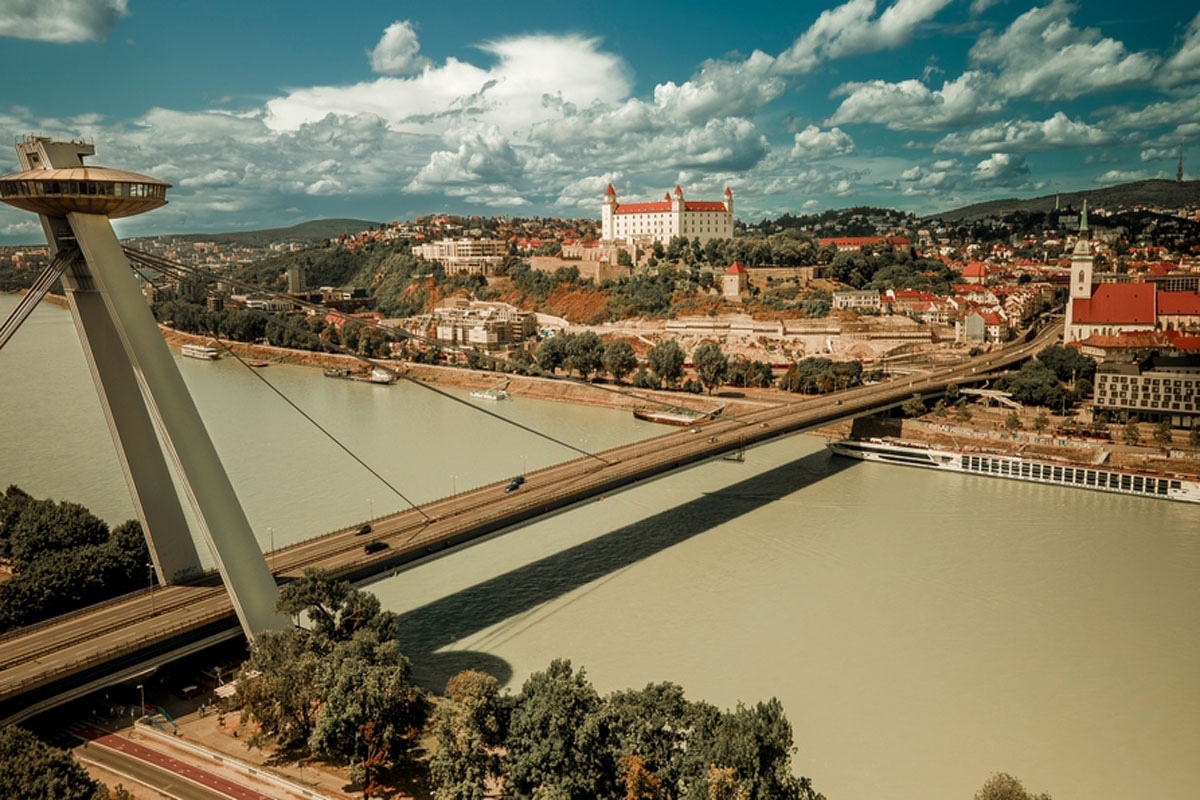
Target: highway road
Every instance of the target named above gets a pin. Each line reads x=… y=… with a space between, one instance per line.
x=82 y=643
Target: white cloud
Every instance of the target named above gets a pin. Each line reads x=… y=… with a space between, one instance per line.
x=1128 y=175
x=1043 y=55
x=1183 y=67
x=721 y=89
x=217 y=177
x=1158 y=115
x=324 y=187
x=813 y=143
x=1002 y=169
x=484 y=158
x=980 y=6
x=396 y=53
x=853 y=28
x=531 y=73
x=1059 y=132
x=911 y=105
x=60 y=21
x=585 y=192
x=1158 y=154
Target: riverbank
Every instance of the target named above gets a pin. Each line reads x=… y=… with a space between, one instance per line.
x=604 y=395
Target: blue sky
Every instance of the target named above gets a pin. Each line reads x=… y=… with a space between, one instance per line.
x=270 y=113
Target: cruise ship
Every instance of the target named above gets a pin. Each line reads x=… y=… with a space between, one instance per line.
x=1023 y=468
x=200 y=351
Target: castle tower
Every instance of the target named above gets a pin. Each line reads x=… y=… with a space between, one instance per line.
x=728 y=199
x=607 y=209
x=141 y=392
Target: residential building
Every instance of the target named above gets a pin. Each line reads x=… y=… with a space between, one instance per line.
x=1153 y=388
x=469 y=256
x=670 y=217
x=867 y=299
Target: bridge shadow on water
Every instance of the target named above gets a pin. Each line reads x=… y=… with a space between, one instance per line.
x=439 y=623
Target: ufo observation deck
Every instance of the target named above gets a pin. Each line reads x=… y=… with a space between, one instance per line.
x=87 y=190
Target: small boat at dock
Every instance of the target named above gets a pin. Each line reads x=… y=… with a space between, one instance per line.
x=200 y=351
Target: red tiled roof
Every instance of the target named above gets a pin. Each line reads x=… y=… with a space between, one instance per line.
x=1179 y=303
x=609 y=191
x=678 y=190
x=703 y=205
x=643 y=208
x=1116 y=303
x=975 y=270
x=736 y=269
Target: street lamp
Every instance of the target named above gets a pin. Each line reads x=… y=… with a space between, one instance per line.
x=150 y=566
x=142 y=689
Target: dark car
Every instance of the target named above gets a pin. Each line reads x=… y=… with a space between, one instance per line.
x=362 y=529
x=518 y=480
x=374 y=547
x=512 y=487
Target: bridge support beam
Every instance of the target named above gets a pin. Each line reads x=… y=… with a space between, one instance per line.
x=149 y=411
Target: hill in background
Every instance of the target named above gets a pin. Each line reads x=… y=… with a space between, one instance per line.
x=1158 y=193
x=312 y=231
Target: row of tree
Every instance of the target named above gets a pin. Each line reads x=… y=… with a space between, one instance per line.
x=30 y=769
x=63 y=558
x=340 y=690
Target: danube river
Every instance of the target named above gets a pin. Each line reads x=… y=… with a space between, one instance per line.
x=922 y=630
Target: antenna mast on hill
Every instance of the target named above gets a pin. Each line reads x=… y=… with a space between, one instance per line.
x=1179 y=171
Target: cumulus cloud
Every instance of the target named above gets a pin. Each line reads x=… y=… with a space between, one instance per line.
x=1043 y=55
x=911 y=105
x=484 y=161
x=1127 y=175
x=60 y=21
x=1059 y=132
x=813 y=143
x=1002 y=169
x=530 y=74
x=852 y=28
x=397 y=51
x=1183 y=67
x=1158 y=154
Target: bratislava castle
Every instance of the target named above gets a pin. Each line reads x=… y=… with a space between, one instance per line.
x=671 y=216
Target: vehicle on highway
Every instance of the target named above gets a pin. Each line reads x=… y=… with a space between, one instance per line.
x=512 y=487
x=374 y=547
x=363 y=529
x=695 y=430
x=518 y=480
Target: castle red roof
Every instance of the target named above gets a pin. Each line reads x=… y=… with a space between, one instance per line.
x=1179 y=303
x=704 y=205
x=609 y=191
x=736 y=269
x=643 y=208
x=678 y=190
x=728 y=191
x=1116 y=303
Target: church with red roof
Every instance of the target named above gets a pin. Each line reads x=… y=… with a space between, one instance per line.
x=663 y=220
x=1113 y=309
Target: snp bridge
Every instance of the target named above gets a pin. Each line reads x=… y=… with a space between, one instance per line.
x=50 y=663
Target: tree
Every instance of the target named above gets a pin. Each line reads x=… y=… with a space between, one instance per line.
x=940 y=409
x=1162 y=433
x=952 y=392
x=666 y=361
x=284 y=695
x=619 y=359
x=1041 y=421
x=623 y=259
x=556 y=739
x=551 y=353
x=584 y=353
x=1002 y=786
x=1013 y=421
x=1131 y=434
x=639 y=783
x=962 y=413
x=370 y=712
x=468 y=726
x=711 y=365
x=33 y=770
x=913 y=406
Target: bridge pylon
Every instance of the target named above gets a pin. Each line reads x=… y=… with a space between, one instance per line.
x=150 y=414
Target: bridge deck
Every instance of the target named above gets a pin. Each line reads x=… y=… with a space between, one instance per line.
x=46 y=655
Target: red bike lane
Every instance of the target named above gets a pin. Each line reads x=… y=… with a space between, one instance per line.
x=173 y=765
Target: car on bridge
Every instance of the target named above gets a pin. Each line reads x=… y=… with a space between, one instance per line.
x=374 y=547
x=363 y=529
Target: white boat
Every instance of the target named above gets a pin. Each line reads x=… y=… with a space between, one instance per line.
x=490 y=394
x=1024 y=468
x=200 y=351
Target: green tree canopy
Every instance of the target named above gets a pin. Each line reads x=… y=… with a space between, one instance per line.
x=712 y=366
x=619 y=359
x=666 y=361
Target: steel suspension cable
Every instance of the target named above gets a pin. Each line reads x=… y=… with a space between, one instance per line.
x=41 y=285
x=310 y=419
